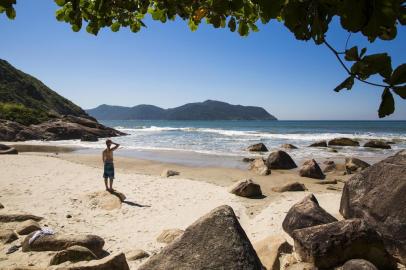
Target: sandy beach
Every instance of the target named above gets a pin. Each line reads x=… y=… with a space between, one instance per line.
x=55 y=186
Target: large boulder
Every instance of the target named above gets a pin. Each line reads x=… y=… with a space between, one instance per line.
x=73 y=254
x=60 y=242
x=27 y=227
x=167 y=236
x=355 y=165
x=311 y=169
x=377 y=195
x=306 y=213
x=259 y=167
x=246 y=188
x=270 y=249
x=215 y=241
x=18 y=217
x=296 y=186
x=343 y=142
x=280 y=160
x=358 y=264
x=115 y=261
x=7 y=150
x=377 y=144
x=331 y=245
x=7 y=236
x=319 y=144
x=258 y=147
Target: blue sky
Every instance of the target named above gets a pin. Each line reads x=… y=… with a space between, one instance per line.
x=168 y=65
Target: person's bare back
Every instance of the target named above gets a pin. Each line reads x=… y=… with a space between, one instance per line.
x=107 y=157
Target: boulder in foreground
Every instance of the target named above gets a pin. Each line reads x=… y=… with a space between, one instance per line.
x=115 y=261
x=343 y=142
x=280 y=160
x=296 y=186
x=259 y=167
x=73 y=254
x=311 y=169
x=258 y=147
x=377 y=195
x=306 y=213
x=377 y=144
x=358 y=264
x=246 y=188
x=331 y=245
x=214 y=241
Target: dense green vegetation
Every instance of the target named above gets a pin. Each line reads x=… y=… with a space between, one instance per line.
x=21 y=114
x=35 y=98
x=306 y=19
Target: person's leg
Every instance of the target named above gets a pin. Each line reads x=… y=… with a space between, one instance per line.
x=111 y=184
x=105 y=183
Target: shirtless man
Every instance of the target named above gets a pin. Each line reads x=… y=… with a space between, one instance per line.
x=108 y=163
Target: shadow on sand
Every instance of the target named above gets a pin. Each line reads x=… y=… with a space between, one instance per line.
x=123 y=198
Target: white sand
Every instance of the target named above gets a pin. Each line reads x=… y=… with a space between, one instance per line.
x=52 y=188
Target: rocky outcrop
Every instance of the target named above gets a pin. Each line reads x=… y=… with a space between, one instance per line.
x=18 y=217
x=73 y=254
x=215 y=241
x=270 y=249
x=377 y=144
x=61 y=242
x=280 y=160
x=246 y=188
x=355 y=165
x=167 y=236
x=115 y=261
x=259 y=167
x=288 y=146
x=258 y=147
x=27 y=227
x=311 y=169
x=7 y=150
x=7 y=236
x=343 y=142
x=377 y=195
x=319 y=144
x=358 y=264
x=169 y=173
x=296 y=186
x=331 y=245
x=137 y=254
x=306 y=213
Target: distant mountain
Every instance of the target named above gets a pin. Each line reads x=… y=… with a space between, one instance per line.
x=207 y=110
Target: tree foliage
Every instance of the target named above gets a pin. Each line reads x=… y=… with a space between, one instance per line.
x=306 y=19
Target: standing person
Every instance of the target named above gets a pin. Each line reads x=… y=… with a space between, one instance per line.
x=108 y=163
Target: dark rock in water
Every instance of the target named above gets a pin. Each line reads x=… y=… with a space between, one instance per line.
x=306 y=213
x=377 y=195
x=61 y=242
x=89 y=138
x=311 y=169
x=358 y=264
x=259 y=167
x=280 y=160
x=247 y=160
x=111 y=262
x=377 y=144
x=296 y=186
x=259 y=147
x=7 y=150
x=215 y=241
x=73 y=254
x=331 y=245
x=355 y=165
x=246 y=188
x=343 y=142
x=18 y=217
x=7 y=236
x=27 y=227
x=319 y=144
x=288 y=146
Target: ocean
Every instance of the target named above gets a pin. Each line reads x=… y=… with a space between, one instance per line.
x=224 y=142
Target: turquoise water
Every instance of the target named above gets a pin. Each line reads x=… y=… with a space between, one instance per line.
x=230 y=138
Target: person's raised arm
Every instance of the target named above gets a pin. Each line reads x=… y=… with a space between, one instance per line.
x=116 y=145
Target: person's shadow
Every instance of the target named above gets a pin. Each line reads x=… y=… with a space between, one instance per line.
x=123 y=199
x=135 y=204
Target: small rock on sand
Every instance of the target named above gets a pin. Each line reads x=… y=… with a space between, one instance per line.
x=106 y=200
x=311 y=169
x=296 y=186
x=73 y=254
x=136 y=255
x=327 y=182
x=246 y=188
x=18 y=217
x=167 y=236
x=28 y=227
x=259 y=167
x=169 y=173
x=259 y=147
x=7 y=236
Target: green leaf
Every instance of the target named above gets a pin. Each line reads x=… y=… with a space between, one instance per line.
x=60 y=3
x=60 y=15
x=192 y=25
x=352 y=54
x=76 y=28
x=400 y=91
x=387 y=106
x=11 y=13
x=115 y=26
x=243 y=28
x=347 y=83
x=232 y=24
x=399 y=75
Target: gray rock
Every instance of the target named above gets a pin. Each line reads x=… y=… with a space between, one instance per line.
x=28 y=227
x=7 y=236
x=169 y=173
x=311 y=169
x=18 y=217
x=73 y=254
x=306 y=213
x=215 y=241
x=331 y=245
x=111 y=262
x=358 y=264
x=355 y=165
x=167 y=236
x=377 y=195
x=246 y=188
x=259 y=167
x=343 y=142
x=296 y=186
x=280 y=160
x=258 y=147
x=319 y=144
x=377 y=144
